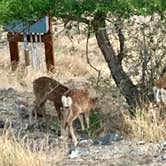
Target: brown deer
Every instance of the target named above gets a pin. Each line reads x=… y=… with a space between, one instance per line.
x=76 y=103
x=159 y=91
x=44 y=89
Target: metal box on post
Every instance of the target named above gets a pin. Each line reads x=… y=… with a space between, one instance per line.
x=17 y=30
x=41 y=26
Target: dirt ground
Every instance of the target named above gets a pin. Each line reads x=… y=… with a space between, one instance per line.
x=115 y=152
x=73 y=71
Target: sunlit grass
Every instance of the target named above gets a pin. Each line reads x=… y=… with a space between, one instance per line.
x=147 y=125
x=25 y=152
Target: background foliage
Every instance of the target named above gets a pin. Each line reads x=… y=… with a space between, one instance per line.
x=30 y=9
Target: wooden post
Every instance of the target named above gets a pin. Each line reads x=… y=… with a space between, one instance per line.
x=49 y=51
x=47 y=38
x=14 y=54
x=27 y=59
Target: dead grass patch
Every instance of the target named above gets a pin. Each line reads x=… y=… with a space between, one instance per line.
x=18 y=152
x=147 y=125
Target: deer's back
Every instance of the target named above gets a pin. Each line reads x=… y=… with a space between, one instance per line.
x=44 y=85
x=81 y=100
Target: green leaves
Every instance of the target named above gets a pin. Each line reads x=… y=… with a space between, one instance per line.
x=29 y=9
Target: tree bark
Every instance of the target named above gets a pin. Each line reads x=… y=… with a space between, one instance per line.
x=122 y=80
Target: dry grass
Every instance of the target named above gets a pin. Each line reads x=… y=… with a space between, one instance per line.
x=70 y=63
x=15 y=154
x=147 y=126
x=66 y=67
x=18 y=152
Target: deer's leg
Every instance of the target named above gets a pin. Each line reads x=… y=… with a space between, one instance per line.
x=81 y=119
x=43 y=110
x=74 y=138
x=87 y=114
x=58 y=109
x=64 y=123
x=71 y=130
x=39 y=110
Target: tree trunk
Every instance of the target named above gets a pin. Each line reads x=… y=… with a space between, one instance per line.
x=122 y=80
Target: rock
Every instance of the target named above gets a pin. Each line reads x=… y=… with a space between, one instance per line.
x=74 y=154
x=163 y=156
x=2 y=124
x=163 y=145
x=107 y=140
x=79 y=152
x=85 y=142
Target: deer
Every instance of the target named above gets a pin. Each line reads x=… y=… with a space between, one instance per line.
x=76 y=104
x=159 y=90
x=44 y=89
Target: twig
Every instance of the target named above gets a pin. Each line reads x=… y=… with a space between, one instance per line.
x=87 y=57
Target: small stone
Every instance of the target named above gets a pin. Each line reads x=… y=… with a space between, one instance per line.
x=164 y=144
x=85 y=142
x=107 y=140
x=2 y=124
x=74 y=154
x=163 y=156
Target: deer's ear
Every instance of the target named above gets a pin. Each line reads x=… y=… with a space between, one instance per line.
x=70 y=101
x=64 y=100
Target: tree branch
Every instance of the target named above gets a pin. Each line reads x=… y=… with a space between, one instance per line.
x=121 y=39
x=87 y=57
x=74 y=18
